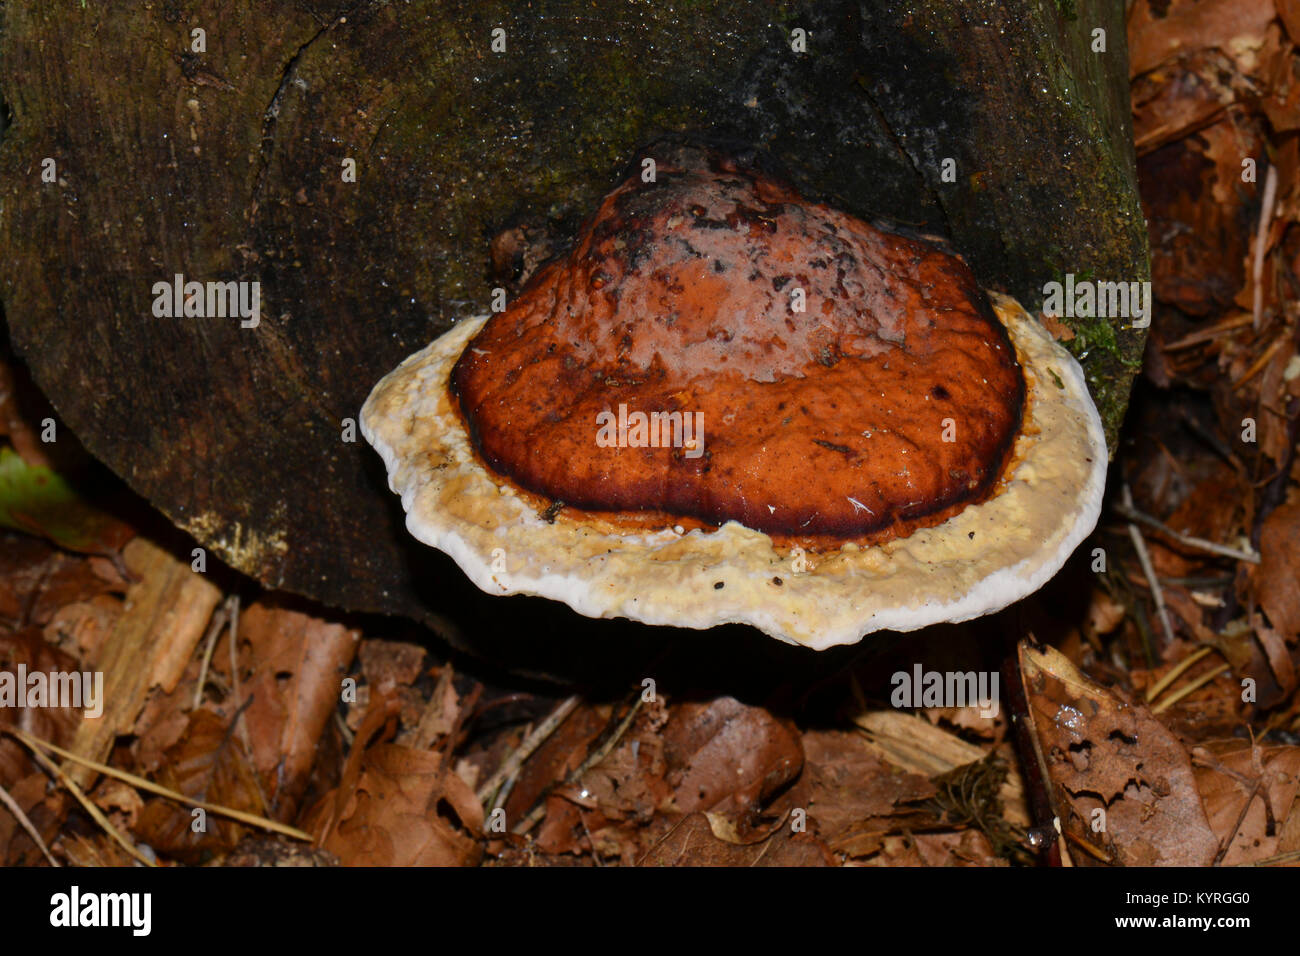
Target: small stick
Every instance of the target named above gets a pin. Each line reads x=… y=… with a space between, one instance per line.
x=1127 y=510
x=1258 y=365
x=1039 y=790
x=1209 y=334
x=140 y=783
x=237 y=723
x=209 y=645
x=27 y=825
x=234 y=649
x=512 y=763
x=1144 y=559
x=1087 y=847
x=1208 y=581
x=1158 y=688
x=1197 y=684
x=96 y=814
x=1291 y=856
x=1261 y=240
x=595 y=757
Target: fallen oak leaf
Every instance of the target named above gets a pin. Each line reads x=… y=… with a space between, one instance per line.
x=850 y=784
x=294 y=662
x=1120 y=779
x=408 y=808
x=1249 y=791
x=380 y=716
x=208 y=764
x=728 y=758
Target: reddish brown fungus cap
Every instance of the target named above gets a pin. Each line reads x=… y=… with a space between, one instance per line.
x=727 y=403
x=847 y=382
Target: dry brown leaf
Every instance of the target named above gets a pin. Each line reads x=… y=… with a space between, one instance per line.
x=27 y=649
x=611 y=808
x=1059 y=330
x=563 y=752
x=964 y=848
x=849 y=784
x=1277 y=589
x=97 y=849
x=1289 y=12
x=1106 y=754
x=1104 y=613
x=391 y=662
x=438 y=717
x=295 y=665
x=209 y=764
x=275 y=851
x=42 y=808
x=629 y=783
x=729 y=758
x=66 y=579
x=1249 y=791
x=406 y=809
x=23 y=562
x=114 y=796
x=1237 y=27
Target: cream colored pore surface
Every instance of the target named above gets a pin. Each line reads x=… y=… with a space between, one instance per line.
x=988 y=556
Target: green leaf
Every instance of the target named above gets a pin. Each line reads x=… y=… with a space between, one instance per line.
x=38 y=501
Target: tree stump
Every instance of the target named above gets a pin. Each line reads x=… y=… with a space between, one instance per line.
x=215 y=140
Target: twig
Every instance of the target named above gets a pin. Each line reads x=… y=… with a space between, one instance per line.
x=237 y=723
x=1226 y=844
x=1126 y=510
x=593 y=758
x=1195 y=685
x=1259 y=364
x=140 y=783
x=209 y=645
x=1205 y=581
x=344 y=730
x=234 y=649
x=1158 y=688
x=27 y=825
x=1261 y=240
x=1208 y=334
x=96 y=814
x=1211 y=439
x=1145 y=560
x=510 y=766
x=1094 y=852
x=1291 y=856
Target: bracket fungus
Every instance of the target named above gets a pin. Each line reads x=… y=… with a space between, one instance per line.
x=729 y=404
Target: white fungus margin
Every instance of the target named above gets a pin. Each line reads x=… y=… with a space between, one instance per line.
x=982 y=559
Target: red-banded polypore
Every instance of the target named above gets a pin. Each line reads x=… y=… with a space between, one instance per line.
x=729 y=404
